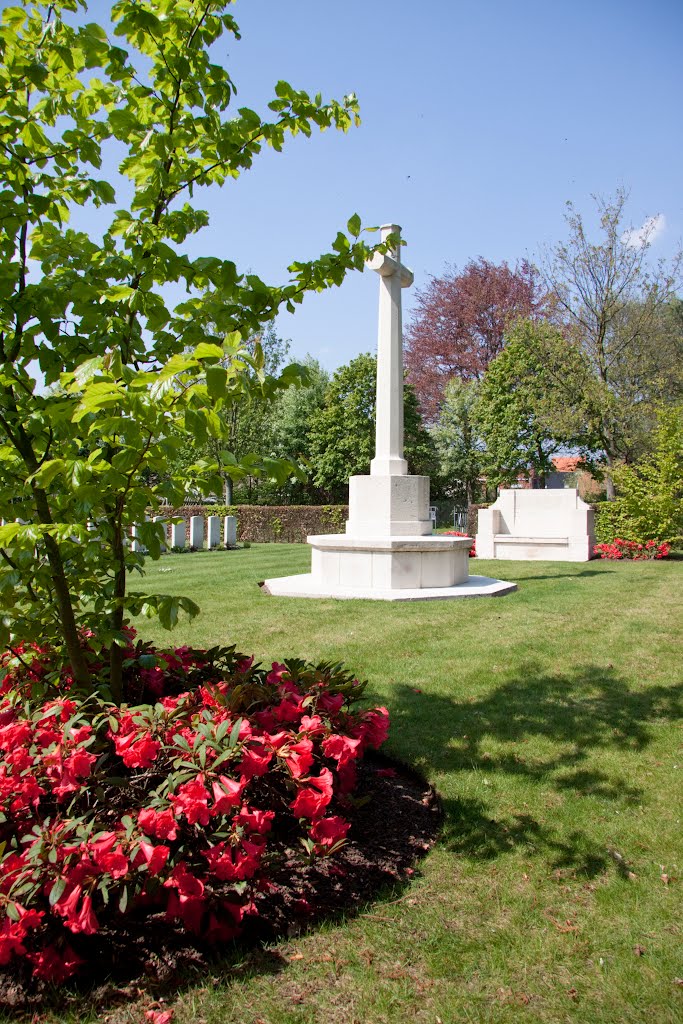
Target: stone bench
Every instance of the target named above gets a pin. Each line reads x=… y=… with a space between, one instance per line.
x=551 y=525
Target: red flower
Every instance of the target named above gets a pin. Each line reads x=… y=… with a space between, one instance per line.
x=297 y=756
x=255 y=820
x=255 y=761
x=341 y=748
x=154 y=857
x=231 y=863
x=55 y=966
x=79 y=763
x=312 y=799
x=192 y=800
x=375 y=727
x=311 y=724
x=161 y=824
x=276 y=673
x=227 y=794
x=326 y=832
x=77 y=920
x=113 y=861
x=188 y=902
x=159 y=1016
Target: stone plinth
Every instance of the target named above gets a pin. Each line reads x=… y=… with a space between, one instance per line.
x=529 y=525
x=388 y=506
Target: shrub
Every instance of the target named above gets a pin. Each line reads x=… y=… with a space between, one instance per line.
x=650 y=502
x=611 y=520
x=630 y=549
x=175 y=807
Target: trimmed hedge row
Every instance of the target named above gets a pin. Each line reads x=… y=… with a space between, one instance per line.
x=266 y=524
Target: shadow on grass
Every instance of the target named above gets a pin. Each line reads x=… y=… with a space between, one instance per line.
x=587 y=710
x=568 y=575
x=469 y=831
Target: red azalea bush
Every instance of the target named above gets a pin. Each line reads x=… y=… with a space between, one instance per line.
x=459 y=533
x=176 y=802
x=630 y=549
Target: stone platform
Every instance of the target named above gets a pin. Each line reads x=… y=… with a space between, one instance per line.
x=305 y=585
x=388 y=569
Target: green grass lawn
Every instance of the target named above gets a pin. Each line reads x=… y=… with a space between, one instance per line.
x=550 y=721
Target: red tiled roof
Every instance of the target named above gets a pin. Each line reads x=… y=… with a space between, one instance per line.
x=566 y=463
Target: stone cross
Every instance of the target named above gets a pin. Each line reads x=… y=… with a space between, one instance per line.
x=388 y=460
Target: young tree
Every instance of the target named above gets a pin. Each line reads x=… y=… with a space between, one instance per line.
x=460 y=321
x=292 y=417
x=521 y=409
x=650 y=493
x=458 y=442
x=611 y=300
x=247 y=423
x=91 y=311
x=342 y=435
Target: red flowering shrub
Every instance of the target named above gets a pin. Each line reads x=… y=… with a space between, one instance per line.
x=459 y=533
x=178 y=806
x=629 y=549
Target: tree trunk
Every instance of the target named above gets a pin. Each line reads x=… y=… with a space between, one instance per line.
x=227 y=489
x=116 y=652
x=79 y=665
x=609 y=482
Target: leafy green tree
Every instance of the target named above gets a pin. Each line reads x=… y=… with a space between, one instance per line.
x=91 y=312
x=650 y=493
x=342 y=434
x=521 y=407
x=611 y=298
x=247 y=424
x=292 y=416
x=458 y=442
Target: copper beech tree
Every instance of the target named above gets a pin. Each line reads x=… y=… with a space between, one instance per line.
x=459 y=324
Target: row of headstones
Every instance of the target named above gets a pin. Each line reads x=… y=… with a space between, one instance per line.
x=178 y=536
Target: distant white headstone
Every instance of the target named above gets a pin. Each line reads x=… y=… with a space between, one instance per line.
x=213 y=530
x=136 y=545
x=178 y=535
x=230 y=531
x=197 y=532
x=161 y=519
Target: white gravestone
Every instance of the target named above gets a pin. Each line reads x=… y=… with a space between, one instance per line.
x=162 y=520
x=178 y=535
x=388 y=552
x=197 y=532
x=213 y=531
x=230 y=531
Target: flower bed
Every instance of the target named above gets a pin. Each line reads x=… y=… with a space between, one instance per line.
x=178 y=802
x=630 y=549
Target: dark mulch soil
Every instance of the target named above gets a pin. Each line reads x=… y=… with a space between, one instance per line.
x=395 y=826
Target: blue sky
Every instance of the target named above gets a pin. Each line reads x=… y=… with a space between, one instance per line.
x=480 y=120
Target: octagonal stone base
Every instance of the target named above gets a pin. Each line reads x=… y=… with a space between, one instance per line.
x=388 y=569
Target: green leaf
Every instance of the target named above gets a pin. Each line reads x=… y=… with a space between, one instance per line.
x=58 y=887
x=205 y=350
x=353 y=225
